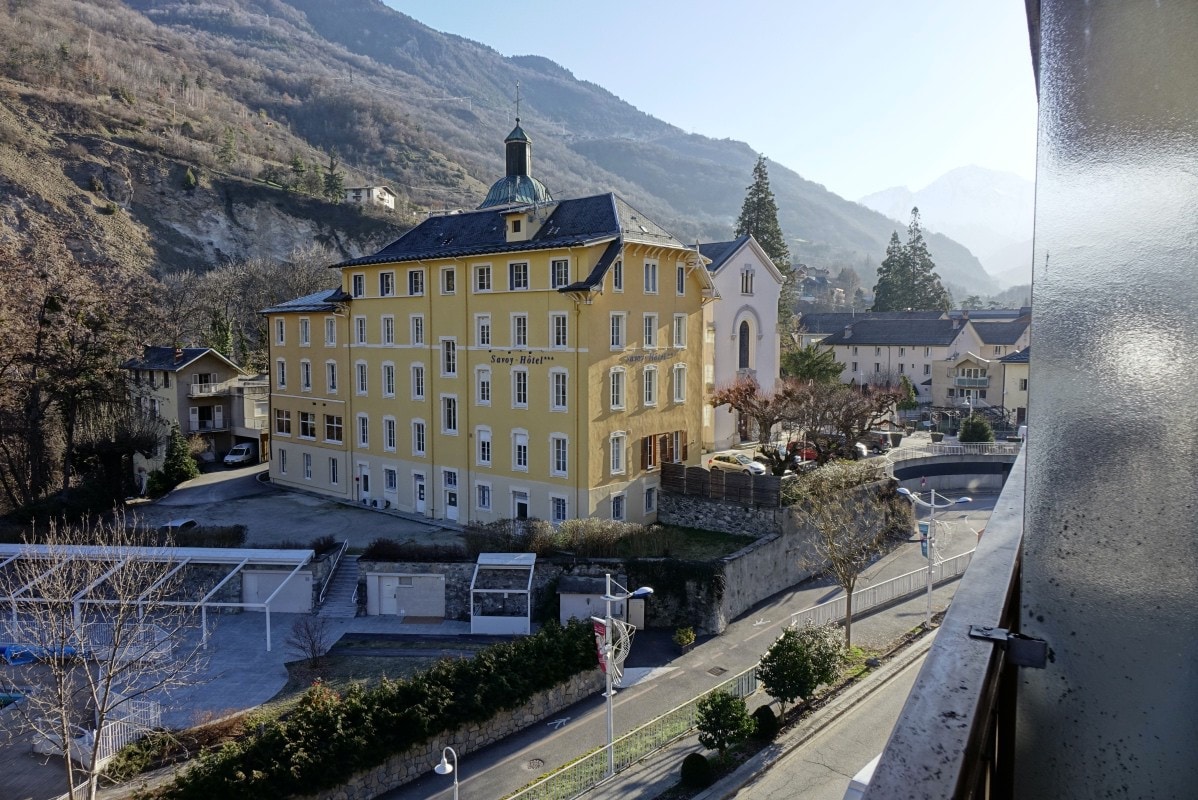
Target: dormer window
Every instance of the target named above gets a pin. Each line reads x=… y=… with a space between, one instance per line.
x=516 y=225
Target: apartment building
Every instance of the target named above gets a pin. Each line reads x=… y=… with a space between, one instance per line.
x=531 y=358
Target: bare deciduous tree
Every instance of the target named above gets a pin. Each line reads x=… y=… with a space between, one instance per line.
x=310 y=637
x=99 y=614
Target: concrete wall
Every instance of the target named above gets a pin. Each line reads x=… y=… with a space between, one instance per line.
x=409 y=766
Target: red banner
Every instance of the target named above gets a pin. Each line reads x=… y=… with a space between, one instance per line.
x=600 y=641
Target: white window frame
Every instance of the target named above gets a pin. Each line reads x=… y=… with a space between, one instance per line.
x=650 y=499
x=618 y=501
x=519 y=386
x=556 y=500
x=282 y=422
x=482 y=386
x=559 y=389
x=746 y=280
x=416 y=334
x=617 y=379
x=305 y=417
x=361 y=378
x=280 y=330
x=388 y=324
x=419 y=437
x=618 y=329
x=357 y=284
x=559 y=273
x=305 y=332
x=482 y=330
x=388 y=379
x=649 y=386
x=617 y=460
x=559 y=455
x=359 y=330
x=329 y=425
x=390 y=435
x=330 y=331
x=307 y=466
x=449 y=280
x=281 y=373
x=617 y=275
x=679 y=331
x=649 y=331
x=519 y=330
x=518 y=270
x=520 y=448
x=450 y=413
x=417 y=377
x=362 y=430
x=449 y=357
x=334 y=471
x=331 y=377
x=281 y=457
x=305 y=375
x=680 y=280
x=483 y=495
x=484 y=446
x=679 y=383
x=483 y=275
x=559 y=331
x=387 y=284
x=416 y=287
x=650 y=277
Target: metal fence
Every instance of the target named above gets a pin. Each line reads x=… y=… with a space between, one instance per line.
x=882 y=593
x=955 y=449
x=135 y=719
x=589 y=771
x=574 y=780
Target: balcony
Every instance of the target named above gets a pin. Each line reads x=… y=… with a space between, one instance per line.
x=207 y=389
x=208 y=426
x=971 y=383
x=960 y=743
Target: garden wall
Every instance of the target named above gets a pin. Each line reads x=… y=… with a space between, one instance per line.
x=409 y=766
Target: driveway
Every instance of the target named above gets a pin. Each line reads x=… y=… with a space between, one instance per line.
x=272 y=515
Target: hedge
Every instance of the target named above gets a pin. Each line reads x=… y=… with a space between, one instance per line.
x=330 y=737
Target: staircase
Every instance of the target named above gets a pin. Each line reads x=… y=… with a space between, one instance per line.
x=339 y=602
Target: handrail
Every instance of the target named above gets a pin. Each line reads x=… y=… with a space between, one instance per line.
x=955 y=449
x=332 y=571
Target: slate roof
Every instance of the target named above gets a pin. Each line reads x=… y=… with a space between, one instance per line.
x=1001 y=332
x=1023 y=356
x=325 y=300
x=171 y=359
x=720 y=252
x=909 y=332
x=831 y=322
x=571 y=223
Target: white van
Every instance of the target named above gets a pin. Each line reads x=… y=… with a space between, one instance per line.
x=243 y=453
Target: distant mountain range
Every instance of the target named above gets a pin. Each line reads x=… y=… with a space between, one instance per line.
x=105 y=105
x=989 y=212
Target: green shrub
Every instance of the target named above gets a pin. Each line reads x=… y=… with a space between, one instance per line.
x=323 y=544
x=330 y=736
x=975 y=428
x=211 y=536
x=800 y=660
x=765 y=723
x=189 y=180
x=722 y=720
x=696 y=771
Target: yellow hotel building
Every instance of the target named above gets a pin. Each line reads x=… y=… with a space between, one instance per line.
x=532 y=358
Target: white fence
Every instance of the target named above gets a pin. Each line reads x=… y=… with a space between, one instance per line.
x=882 y=593
x=955 y=449
x=134 y=719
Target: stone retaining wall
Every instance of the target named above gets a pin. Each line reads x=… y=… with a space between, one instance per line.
x=693 y=511
x=418 y=761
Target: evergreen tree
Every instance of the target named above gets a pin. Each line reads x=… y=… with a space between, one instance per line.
x=812 y=363
x=297 y=171
x=334 y=180
x=178 y=466
x=800 y=661
x=759 y=217
x=907 y=401
x=975 y=428
x=227 y=154
x=723 y=721
x=907 y=278
x=189 y=180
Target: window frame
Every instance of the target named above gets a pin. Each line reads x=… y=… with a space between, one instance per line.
x=519 y=330
x=482 y=271
x=520 y=453
x=559 y=331
x=651 y=284
x=387 y=283
x=416 y=332
x=678 y=332
x=362 y=431
x=679 y=373
x=334 y=424
x=449 y=280
x=449 y=357
x=361 y=378
x=482 y=381
x=416 y=285
x=649 y=386
x=482 y=330
x=559 y=455
x=518 y=279
x=559 y=392
x=617 y=386
x=419 y=437
x=559 y=279
x=417 y=378
x=282 y=422
x=484 y=446
x=307 y=421
x=618 y=330
x=305 y=332
x=649 y=331
x=617 y=444
x=519 y=387
x=357 y=284
x=449 y=414
x=360 y=330
x=388 y=325
x=388 y=378
x=390 y=433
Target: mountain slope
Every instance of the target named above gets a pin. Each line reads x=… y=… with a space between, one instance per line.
x=243 y=90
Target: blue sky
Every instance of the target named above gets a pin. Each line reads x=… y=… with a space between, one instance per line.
x=859 y=96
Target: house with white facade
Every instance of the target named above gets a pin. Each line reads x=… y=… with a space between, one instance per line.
x=371 y=195
x=742 y=329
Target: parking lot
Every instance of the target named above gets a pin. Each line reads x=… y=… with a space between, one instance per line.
x=272 y=515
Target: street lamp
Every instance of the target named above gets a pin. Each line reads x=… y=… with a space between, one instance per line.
x=609 y=660
x=932 y=506
x=445 y=768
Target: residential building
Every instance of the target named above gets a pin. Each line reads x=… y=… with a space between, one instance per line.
x=205 y=393
x=741 y=329
x=371 y=195
x=814 y=327
x=531 y=358
x=1014 y=369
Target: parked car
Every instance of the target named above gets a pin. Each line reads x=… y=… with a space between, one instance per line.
x=804 y=450
x=877 y=441
x=241 y=454
x=734 y=462
x=180 y=524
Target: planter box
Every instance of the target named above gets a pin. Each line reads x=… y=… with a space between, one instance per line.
x=937 y=436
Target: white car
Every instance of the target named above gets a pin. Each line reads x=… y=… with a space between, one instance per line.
x=734 y=462
x=243 y=453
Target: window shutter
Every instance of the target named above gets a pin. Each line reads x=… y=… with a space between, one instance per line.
x=666 y=447
x=645 y=452
x=684 y=446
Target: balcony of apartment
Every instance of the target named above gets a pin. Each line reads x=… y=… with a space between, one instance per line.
x=207 y=425
x=208 y=389
x=962 y=382
x=959 y=743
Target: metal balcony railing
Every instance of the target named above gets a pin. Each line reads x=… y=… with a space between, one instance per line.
x=971 y=383
x=958 y=742
x=208 y=426
x=207 y=389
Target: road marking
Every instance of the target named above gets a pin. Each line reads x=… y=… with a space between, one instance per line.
x=761 y=621
x=558 y=723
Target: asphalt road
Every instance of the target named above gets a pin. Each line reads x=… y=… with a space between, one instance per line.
x=820 y=769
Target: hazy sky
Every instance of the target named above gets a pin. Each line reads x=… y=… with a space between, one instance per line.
x=857 y=95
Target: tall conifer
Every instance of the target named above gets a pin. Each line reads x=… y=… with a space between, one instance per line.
x=907 y=278
x=759 y=217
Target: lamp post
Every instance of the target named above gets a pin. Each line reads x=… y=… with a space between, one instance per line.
x=932 y=506
x=445 y=768
x=608 y=653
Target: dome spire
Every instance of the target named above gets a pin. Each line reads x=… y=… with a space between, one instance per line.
x=518 y=186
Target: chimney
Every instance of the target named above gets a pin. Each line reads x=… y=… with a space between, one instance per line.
x=848 y=331
x=178 y=353
x=956 y=323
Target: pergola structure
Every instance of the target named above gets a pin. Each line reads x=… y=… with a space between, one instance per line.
x=235 y=560
x=501 y=593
